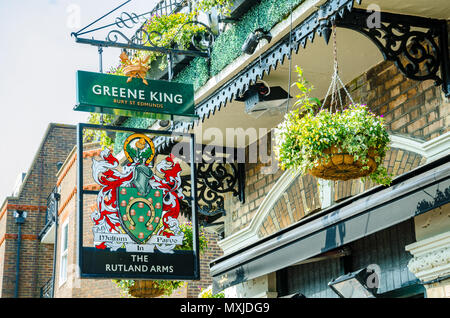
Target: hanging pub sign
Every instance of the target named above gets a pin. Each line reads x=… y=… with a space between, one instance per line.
x=134 y=230
x=118 y=95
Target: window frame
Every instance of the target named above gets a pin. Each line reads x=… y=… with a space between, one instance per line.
x=64 y=251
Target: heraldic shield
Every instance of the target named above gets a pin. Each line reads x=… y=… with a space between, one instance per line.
x=140 y=214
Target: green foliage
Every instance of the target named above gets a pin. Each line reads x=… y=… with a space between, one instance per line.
x=133 y=122
x=207 y=293
x=172 y=31
x=227 y=46
x=196 y=73
x=169 y=31
x=188 y=238
x=222 y=6
x=263 y=15
x=304 y=135
x=124 y=286
x=169 y=285
x=304 y=101
x=99 y=135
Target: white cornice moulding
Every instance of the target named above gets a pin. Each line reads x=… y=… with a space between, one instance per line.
x=249 y=234
x=431 y=257
x=431 y=150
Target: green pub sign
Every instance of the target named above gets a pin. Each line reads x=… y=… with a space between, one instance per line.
x=112 y=94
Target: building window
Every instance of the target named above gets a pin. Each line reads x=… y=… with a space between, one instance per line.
x=63 y=258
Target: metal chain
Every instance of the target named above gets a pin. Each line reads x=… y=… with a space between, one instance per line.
x=336 y=98
x=335 y=73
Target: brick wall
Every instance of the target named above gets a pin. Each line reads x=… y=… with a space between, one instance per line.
x=417 y=109
x=36 y=258
x=212 y=252
x=73 y=286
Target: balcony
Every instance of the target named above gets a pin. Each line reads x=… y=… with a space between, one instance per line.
x=47 y=234
x=47 y=289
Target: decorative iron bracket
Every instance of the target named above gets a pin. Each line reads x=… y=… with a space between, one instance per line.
x=217 y=172
x=418 y=46
x=143 y=40
x=214 y=180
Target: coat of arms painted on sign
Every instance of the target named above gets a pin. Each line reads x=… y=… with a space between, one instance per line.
x=136 y=209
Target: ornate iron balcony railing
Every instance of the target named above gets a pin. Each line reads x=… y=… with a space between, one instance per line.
x=51 y=213
x=46 y=290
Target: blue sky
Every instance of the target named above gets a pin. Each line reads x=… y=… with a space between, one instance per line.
x=38 y=62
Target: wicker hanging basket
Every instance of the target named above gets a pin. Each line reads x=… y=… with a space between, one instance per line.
x=145 y=289
x=342 y=166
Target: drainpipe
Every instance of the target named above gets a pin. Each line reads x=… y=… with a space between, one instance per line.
x=20 y=217
x=56 y=198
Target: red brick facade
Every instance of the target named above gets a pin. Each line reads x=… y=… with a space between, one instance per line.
x=35 y=258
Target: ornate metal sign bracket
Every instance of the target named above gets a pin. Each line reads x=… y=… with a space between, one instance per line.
x=217 y=173
x=143 y=40
x=213 y=181
x=418 y=46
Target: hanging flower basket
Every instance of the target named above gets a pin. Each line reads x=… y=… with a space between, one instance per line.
x=145 y=289
x=336 y=145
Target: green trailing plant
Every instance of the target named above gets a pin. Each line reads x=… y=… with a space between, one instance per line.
x=307 y=133
x=99 y=135
x=169 y=285
x=207 y=293
x=223 y=6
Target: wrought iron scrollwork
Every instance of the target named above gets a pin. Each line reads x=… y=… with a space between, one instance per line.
x=145 y=40
x=214 y=180
x=128 y=20
x=201 y=41
x=51 y=214
x=412 y=43
x=217 y=177
x=113 y=37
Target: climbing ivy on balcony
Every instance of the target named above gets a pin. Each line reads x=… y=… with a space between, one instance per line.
x=227 y=46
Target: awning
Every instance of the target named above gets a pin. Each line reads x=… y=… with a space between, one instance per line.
x=413 y=193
